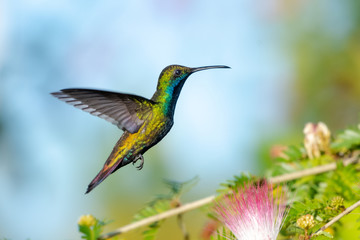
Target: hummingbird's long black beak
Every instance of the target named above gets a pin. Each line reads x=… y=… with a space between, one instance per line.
x=207 y=67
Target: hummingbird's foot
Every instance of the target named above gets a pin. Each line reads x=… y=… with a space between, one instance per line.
x=141 y=158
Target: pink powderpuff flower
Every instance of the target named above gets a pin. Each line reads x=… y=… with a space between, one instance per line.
x=253 y=212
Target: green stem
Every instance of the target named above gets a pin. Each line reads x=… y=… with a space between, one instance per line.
x=183 y=227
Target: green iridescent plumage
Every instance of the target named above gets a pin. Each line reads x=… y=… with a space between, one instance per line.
x=144 y=121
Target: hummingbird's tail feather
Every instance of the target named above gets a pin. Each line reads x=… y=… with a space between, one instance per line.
x=104 y=173
x=119 y=157
x=114 y=161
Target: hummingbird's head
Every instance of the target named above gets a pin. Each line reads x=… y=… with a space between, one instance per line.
x=171 y=81
x=175 y=75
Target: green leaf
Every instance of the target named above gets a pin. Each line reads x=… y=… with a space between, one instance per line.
x=87 y=232
x=326 y=234
x=294 y=153
x=347 y=140
x=162 y=203
x=237 y=182
x=178 y=188
x=153 y=209
x=151 y=232
x=99 y=227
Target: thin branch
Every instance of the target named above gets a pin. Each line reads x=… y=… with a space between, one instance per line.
x=315 y=170
x=196 y=204
x=338 y=217
x=156 y=218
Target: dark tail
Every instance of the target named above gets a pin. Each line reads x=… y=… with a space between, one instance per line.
x=104 y=173
x=114 y=162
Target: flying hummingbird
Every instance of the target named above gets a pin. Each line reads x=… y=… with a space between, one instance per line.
x=144 y=121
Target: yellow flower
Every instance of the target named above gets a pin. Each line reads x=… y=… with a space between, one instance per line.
x=306 y=222
x=87 y=220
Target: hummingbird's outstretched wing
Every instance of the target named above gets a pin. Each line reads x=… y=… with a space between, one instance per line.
x=123 y=110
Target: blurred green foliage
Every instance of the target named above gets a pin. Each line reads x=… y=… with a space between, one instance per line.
x=347 y=140
x=326 y=54
x=162 y=203
x=322 y=196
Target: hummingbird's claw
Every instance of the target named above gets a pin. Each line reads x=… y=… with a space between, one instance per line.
x=141 y=158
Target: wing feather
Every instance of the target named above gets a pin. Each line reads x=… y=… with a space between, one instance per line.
x=122 y=110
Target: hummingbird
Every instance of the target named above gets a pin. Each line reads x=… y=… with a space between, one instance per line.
x=144 y=121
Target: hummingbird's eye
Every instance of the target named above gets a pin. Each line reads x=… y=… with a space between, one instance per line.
x=177 y=72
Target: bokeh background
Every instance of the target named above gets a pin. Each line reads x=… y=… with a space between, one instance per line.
x=292 y=62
